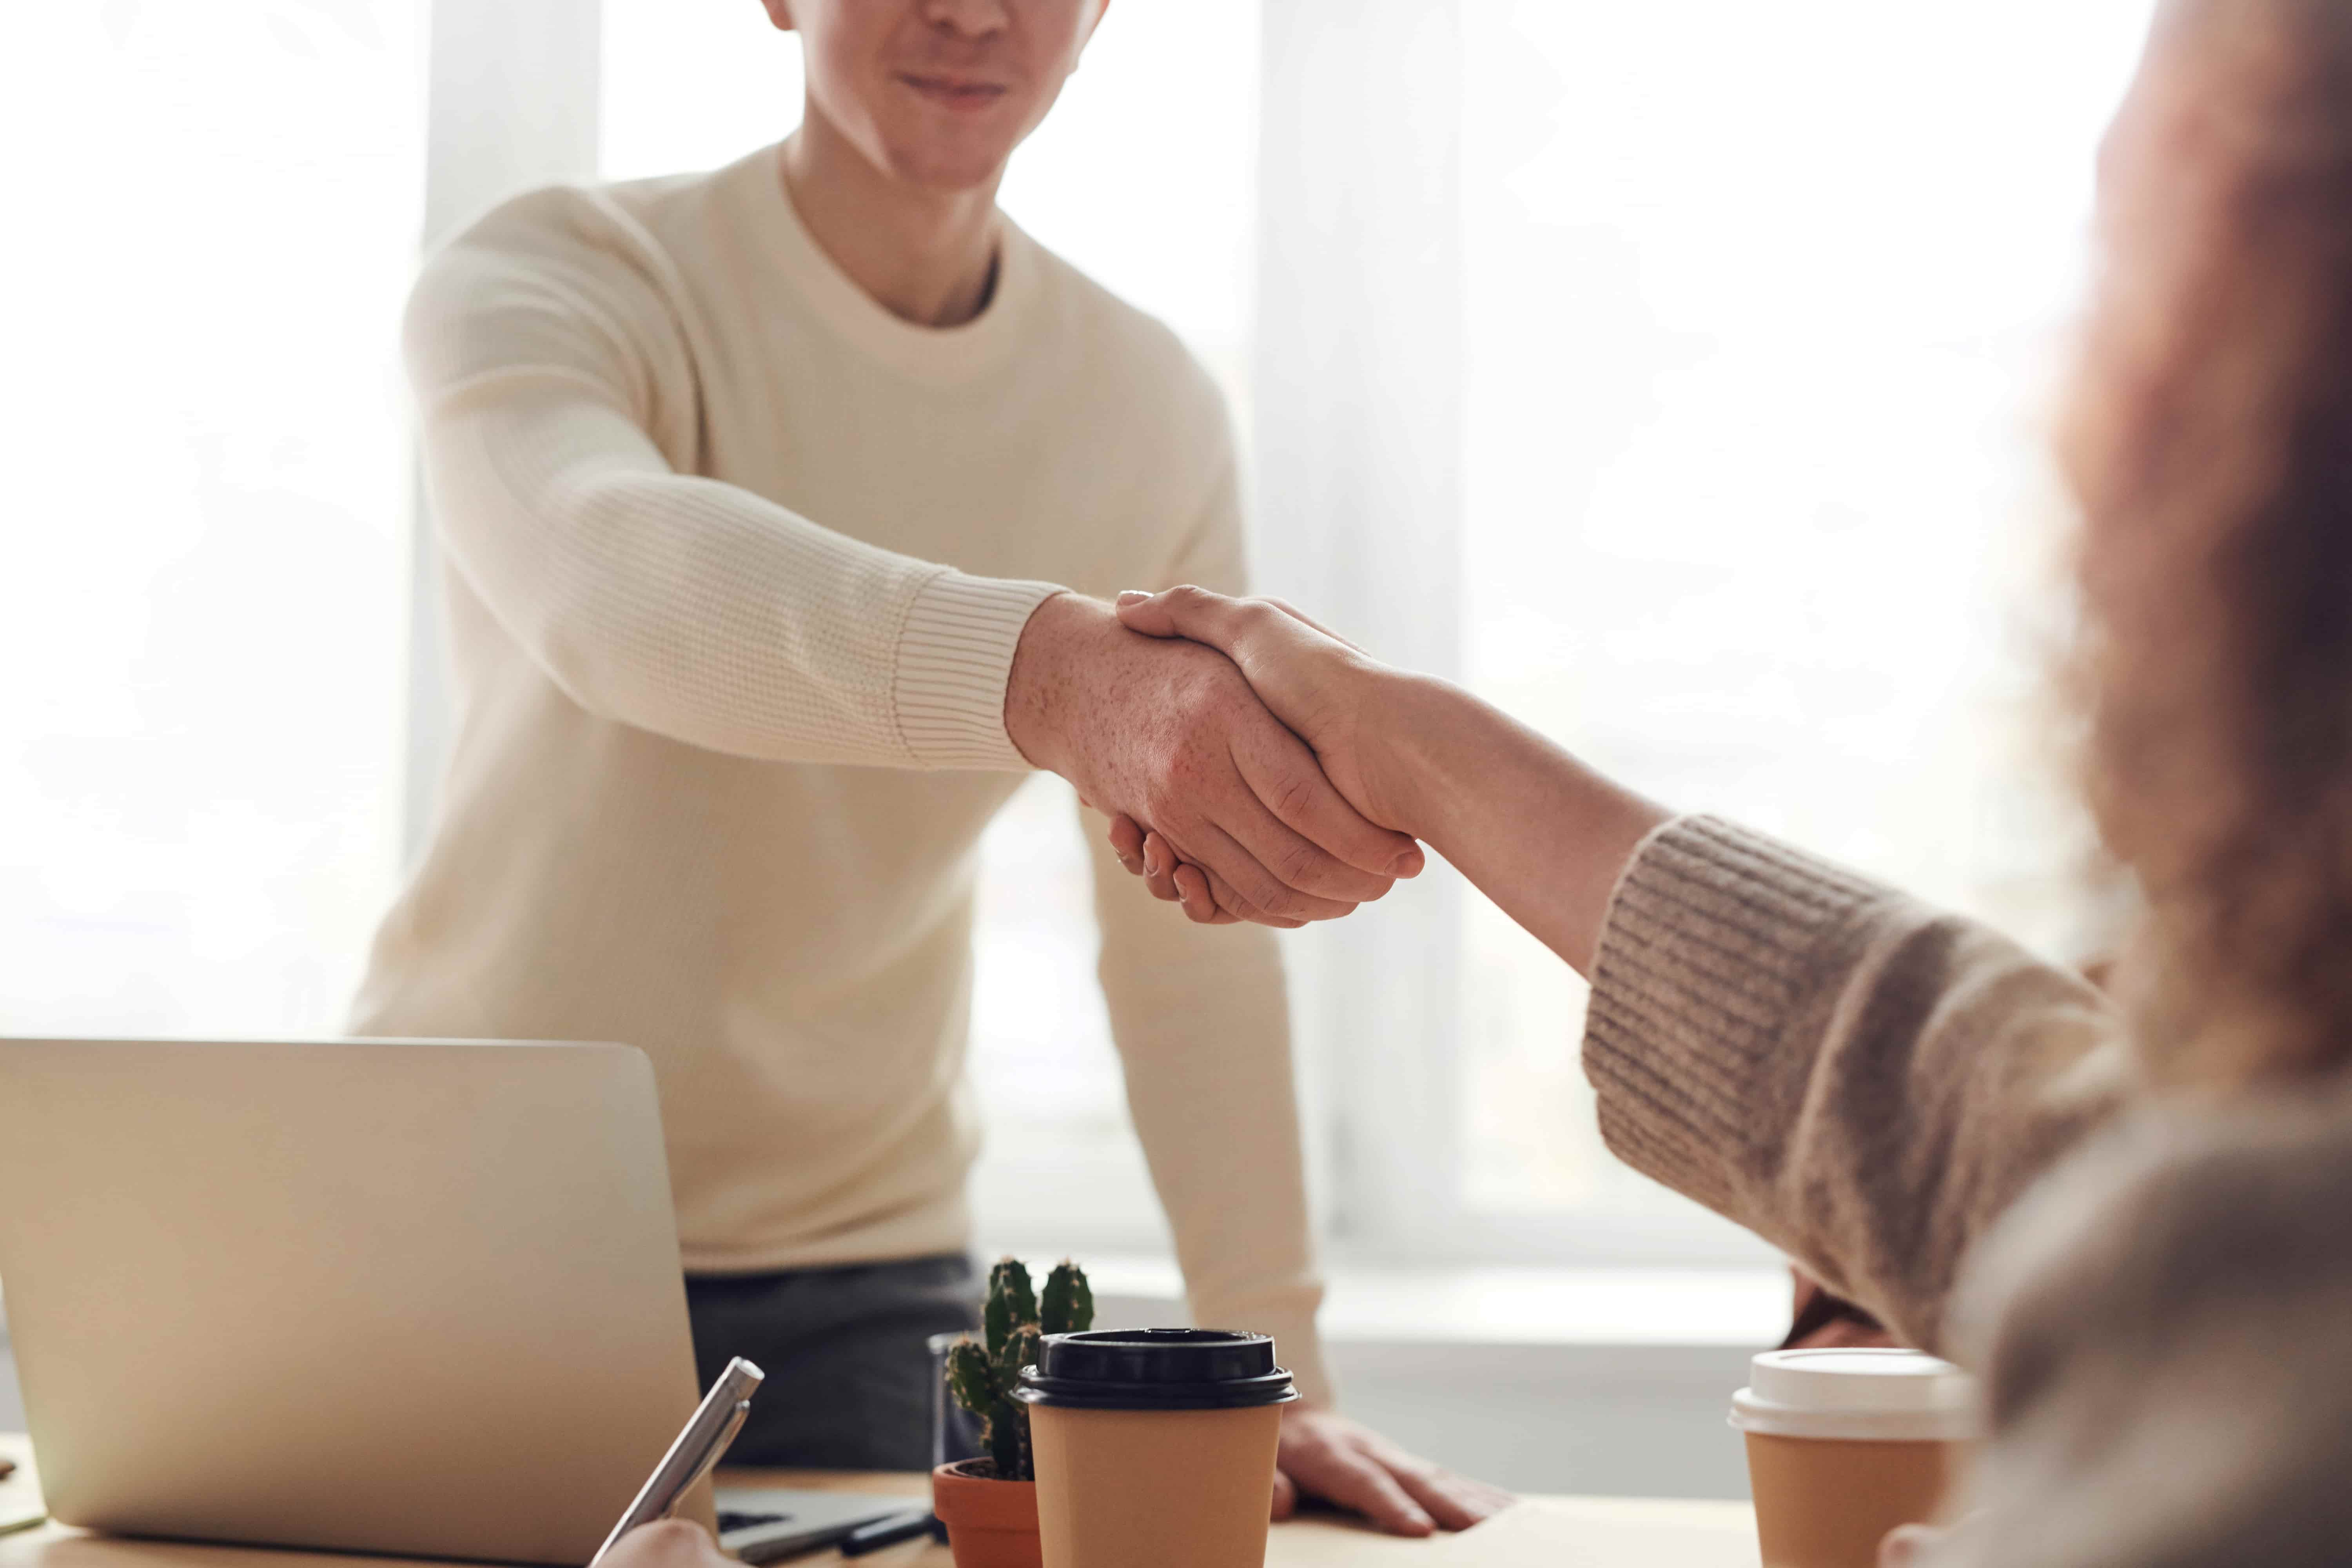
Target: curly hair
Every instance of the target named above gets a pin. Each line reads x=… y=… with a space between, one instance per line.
x=2210 y=444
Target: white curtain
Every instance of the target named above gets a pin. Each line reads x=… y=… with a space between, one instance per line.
x=514 y=103
x=1359 y=458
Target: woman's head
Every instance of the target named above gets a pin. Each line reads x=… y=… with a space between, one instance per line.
x=2210 y=443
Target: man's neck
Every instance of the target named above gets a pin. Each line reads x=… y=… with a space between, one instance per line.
x=926 y=257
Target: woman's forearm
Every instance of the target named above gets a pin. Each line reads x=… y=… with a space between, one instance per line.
x=1537 y=831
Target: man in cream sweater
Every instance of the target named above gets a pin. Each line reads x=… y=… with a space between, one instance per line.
x=779 y=505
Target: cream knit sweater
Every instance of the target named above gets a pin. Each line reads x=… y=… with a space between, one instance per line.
x=2157 y=1293
x=736 y=562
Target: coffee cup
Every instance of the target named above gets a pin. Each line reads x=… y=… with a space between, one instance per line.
x=1154 y=1447
x=1845 y=1444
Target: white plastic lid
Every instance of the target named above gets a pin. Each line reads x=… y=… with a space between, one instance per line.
x=1875 y=1395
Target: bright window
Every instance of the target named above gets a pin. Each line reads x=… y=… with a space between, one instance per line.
x=201 y=614
x=1762 y=305
x=1765 y=307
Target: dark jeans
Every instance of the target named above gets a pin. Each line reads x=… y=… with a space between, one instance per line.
x=849 y=1375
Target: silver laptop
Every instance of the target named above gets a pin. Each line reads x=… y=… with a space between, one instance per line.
x=413 y=1297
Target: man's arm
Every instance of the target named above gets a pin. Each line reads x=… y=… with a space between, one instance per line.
x=553 y=392
x=558 y=409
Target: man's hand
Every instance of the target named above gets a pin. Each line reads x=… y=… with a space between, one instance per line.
x=668 y=1543
x=1317 y=683
x=1170 y=733
x=1329 y=1457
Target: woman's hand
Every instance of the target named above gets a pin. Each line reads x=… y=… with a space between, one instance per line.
x=1534 y=829
x=1310 y=678
x=1317 y=683
x=1170 y=730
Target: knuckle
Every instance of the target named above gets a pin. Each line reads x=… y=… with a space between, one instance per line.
x=1295 y=796
x=1174 y=782
x=1299 y=863
x=1196 y=720
x=1203 y=699
x=1168 y=760
x=1273 y=896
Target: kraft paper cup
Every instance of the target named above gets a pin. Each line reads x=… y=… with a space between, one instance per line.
x=1844 y=1445
x=1155 y=1448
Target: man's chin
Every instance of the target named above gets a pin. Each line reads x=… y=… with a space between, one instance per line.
x=970 y=163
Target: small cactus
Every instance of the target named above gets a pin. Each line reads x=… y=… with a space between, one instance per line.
x=1068 y=1305
x=984 y=1376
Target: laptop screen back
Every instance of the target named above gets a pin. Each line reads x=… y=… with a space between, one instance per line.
x=408 y=1297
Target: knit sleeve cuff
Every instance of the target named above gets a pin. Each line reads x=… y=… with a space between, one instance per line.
x=1297 y=1347
x=1720 y=946
x=955 y=653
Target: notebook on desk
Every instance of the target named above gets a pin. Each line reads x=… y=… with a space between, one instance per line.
x=759 y=1525
x=20 y=1499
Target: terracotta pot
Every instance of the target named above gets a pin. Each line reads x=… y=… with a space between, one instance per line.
x=991 y=1523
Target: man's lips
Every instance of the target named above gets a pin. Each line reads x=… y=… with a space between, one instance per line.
x=955 y=92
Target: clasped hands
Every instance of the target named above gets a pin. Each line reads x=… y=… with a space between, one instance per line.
x=1221 y=736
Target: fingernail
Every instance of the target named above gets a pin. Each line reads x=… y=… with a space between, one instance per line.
x=1132 y=596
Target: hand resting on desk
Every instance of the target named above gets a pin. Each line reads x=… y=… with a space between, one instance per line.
x=1324 y=1455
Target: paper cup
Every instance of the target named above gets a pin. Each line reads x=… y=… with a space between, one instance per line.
x=1844 y=1445
x=1155 y=1448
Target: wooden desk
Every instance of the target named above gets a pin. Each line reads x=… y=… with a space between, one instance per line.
x=1599 y=1532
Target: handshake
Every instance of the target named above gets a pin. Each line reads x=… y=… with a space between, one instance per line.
x=1234 y=744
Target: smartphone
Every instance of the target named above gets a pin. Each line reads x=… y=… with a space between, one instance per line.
x=712 y=1427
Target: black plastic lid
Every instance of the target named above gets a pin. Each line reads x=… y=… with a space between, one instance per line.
x=1156 y=1369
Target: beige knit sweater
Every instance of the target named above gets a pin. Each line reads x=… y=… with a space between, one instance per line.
x=2159 y=1293
x=737 y=564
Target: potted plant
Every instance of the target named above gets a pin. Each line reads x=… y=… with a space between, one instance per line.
x=990 y=1506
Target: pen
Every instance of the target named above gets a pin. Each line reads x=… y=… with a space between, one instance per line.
x=708 y=1432
x=887 y=1531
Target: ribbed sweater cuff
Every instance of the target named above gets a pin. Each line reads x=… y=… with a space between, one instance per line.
x=1297 y=1344
x=955 y=652
x=1720 y=949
